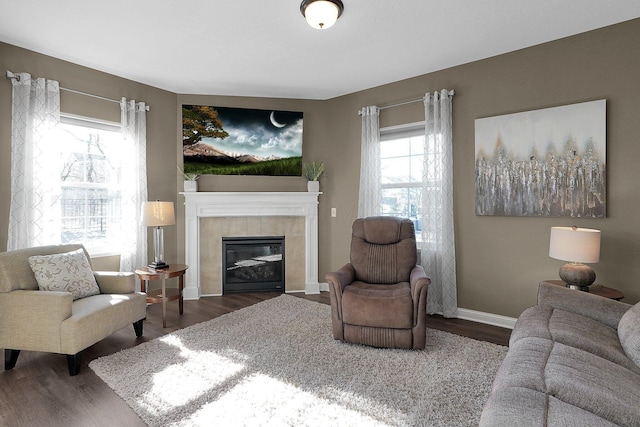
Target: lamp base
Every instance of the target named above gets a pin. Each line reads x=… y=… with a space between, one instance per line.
x=577 y=288
x=577 y=276
x=158 y=265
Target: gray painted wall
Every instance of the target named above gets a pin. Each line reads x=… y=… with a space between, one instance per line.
x=161 y=149
x=500 y=259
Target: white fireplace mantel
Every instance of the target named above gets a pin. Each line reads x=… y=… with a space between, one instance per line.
x=228 y=204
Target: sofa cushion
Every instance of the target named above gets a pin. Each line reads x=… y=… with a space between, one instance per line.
x=595 y=384
x=383 y=249
x=598 y=391
x=629 y=333
x=573 y=330
x=515 y=406
x=67 y=272
x=381 y=306
x=523 y=365
x=589 y=335
x=98 y=317
x=15 y=271
x=560 y=413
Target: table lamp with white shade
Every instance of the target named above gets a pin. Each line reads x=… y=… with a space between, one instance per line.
x=578 y=246
x=158 y=214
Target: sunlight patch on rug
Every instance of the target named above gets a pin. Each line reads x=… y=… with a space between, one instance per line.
x=179 y=384
x=276 y=363
x=279 y=403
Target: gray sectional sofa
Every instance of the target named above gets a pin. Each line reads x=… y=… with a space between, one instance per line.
x=573 y=360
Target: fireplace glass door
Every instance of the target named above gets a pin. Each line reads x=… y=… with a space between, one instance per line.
x=252 y=264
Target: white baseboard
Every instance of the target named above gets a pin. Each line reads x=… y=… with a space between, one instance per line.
x=324 y=286
x=486 y=318
x=210 y=295
x=190 y=294
x=312 y=288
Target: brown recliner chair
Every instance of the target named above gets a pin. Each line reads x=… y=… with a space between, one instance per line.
x=379 y=298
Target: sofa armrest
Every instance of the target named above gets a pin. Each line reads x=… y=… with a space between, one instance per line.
x=604 y=310
x=31 y=320
x=113 y=282
x=419 y=282
x=341 y=278
x=337 y=281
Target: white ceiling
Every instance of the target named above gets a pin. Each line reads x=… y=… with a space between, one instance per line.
x=265 y=47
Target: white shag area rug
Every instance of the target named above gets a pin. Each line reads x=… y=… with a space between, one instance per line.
x=276 y=363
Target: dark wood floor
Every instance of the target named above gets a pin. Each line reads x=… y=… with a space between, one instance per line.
x=40 y=392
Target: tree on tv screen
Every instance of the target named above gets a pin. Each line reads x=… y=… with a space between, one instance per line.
x=200 y=121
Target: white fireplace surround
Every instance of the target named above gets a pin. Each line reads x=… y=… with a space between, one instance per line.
x=242 y=204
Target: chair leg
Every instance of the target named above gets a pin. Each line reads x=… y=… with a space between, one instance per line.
x=10 y=358
x=73 y=361
x=137 y=326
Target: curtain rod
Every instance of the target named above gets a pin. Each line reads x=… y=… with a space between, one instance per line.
x=396 y=105
x=451 y=92
x=11 y=75
x=402 y=103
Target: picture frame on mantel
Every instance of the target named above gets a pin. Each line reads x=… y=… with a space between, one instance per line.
x=548 y=162
x=241 y=141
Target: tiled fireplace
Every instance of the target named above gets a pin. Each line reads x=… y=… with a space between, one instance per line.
x=210 y=216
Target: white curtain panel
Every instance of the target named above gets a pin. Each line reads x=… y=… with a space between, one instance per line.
x=35 y=170
x=134 y=185
x=438 y=240
x=369 y=198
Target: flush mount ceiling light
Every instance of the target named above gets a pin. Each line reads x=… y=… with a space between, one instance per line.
x=321 y=14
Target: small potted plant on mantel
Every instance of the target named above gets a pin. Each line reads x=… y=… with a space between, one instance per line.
x=190 y=180
x=312 y=171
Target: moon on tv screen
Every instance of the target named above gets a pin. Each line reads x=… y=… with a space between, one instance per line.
x=275 y=122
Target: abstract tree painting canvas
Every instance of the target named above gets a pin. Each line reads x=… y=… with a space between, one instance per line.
x=549 y=162
x=241 y=141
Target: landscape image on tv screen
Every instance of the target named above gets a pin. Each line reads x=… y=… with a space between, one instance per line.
x=241 y=141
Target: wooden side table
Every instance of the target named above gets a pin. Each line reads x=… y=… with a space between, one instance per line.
x=599 y=290
x=163 y=295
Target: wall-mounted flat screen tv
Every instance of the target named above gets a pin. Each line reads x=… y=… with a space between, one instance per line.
x=241 y=141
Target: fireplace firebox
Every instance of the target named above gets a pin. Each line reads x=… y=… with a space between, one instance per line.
x=253 y=264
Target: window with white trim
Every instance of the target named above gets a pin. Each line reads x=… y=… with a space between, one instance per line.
x=401 y=162
x=90 y=171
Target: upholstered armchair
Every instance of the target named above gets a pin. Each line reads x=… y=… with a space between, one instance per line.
x=62 y=321
x=379 y=298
